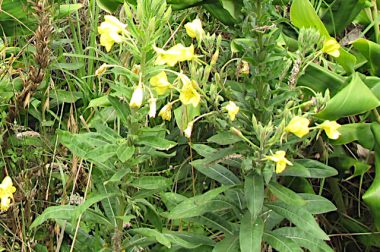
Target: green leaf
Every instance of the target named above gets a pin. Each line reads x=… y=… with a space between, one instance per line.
x=152 y=233
x=224 y=138
x=303 y=239
x=102 y=101
x=281 y=243
x=228 y=244
x=345 y=102
x=188 y=240
x=102 y=153
x=308 y=168
x=371 y=51
x=109 y=5
x=346 y=60
x=302 y=14
x=54 y=212
x=251 y=232
x=125 y=152
x=316 y=204
x=151 y=182
x=360 y=132
x=89 y=202
x=67 y=9
x=254 y=194
x=121 y=109
x=372 y=195
x=300 y=217
x=216 y=172
x=286 y=195
x=156 y=142
x=196 y=205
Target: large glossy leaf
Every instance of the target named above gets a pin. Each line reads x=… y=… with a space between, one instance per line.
x=152 y=233
x=281 y=243
x=319 y=79
x=342 y=13
x=300 y=217
x=302 y=14
x=372 y=195
x=308 y=168
x=346 y=102
x=371 y=51
x=156 y=142
x=254 y=193
x=360 y=132
x=251 y=232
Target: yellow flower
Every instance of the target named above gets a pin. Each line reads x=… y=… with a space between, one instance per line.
x=299 y=126
x=331 y=47
x=166 y=112
x=232 y=110
x=194 y=29
x=280 y=160
x=177 y=53
x=6 y=193
x=160 y=83
x=111 y=32
x=137 y=97
x=189 y=94
x=244 y=68
x=101 y=70
x=331 y=129
x=189 y=129
x=152 y=107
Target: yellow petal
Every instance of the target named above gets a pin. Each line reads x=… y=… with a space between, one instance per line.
x=160 y=83
x=137 y=98
x=299 y=126
x=173 y=55
x=166 y=112
x=194 y=29
x=331 y=47
x=331 y=129
x=189 y=94
x=232 y=110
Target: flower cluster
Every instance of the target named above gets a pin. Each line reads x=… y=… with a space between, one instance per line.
x=6 y=193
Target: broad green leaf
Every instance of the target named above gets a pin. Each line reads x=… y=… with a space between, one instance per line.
x=308 y=168
x=102 y=153
x=188 y=240
x=345 y=102
x=122 y=109
x=319 y=79
x=300 y=217
x=224 y=138
x=316 y=204
x=341 y=14
x=69 y=66
x=346 y=60
x=286 y=195
x=109 y=5
x=54 y=212
x=302 y=14
x=152 y=233
x=216 y=222
x=228 y=244
x=360 y=132
x=371 y=51
x=156 y=142
x=345 y=163
x=303 y=239
x=184 y=114
x=372 y=195
x=89 y=202
x=102 y=101
x=196 y=205
x=254 y=194
x=125 y=152
x=203 y=149
x=151 y=182
x=216 y=172
x=251 y=232
x=67 y=9
x=281 y=243
x=233 y=7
